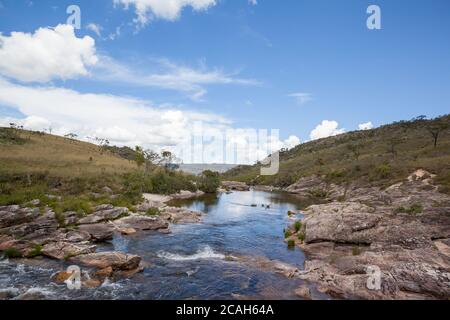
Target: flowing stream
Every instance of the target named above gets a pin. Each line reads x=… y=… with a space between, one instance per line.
x=228 y=255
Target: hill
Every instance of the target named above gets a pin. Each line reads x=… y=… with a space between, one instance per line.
x=380 y=156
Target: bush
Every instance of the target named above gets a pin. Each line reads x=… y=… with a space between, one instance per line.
x=297 y=226
x=37 y=251
x=301 y=236
x=287 y=234
x=209 y=181
x=356 y=251
x=152 y=212
x=384 y=171
x=291 y=243
x=413 y=210
x=12 y=253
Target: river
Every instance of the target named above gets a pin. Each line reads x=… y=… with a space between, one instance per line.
x=194 y=261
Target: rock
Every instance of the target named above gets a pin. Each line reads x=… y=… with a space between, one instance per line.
x=235 y=185
x=35 y=294
x=138 y=222
x=303 y=292
x=65 y=250
x=181 y=215
x=35 y=202
x=421 y=175
x=22 y=247
x=116 y=260
x=8 y=293
x=104 y=273
x=187 y=194
x=127 y=231
x=70 y=218
x=61 y=277
x=99 y=232
x=76 y=236
x=156 y=198
x=14 y=215
x=41 y=227
x=103 y=207
x=91 y=283
x=104 y=215
x=315 y=187
x=107 y=190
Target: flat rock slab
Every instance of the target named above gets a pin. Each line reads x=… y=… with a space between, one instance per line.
x=14 y=215
x=64 y=250
x=118 y=261
x=99 y=232
x=104 y=215
x=138 y=222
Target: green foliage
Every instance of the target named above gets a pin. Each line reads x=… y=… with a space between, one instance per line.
x=12 y=253
x=383 y=171
x=209 y=181
x=287 y=234
x=291 y=243
x=414 y=209
x=301 y=236
x=153 y=212
x=297 y=226
x=356 y=251
x=37 y=251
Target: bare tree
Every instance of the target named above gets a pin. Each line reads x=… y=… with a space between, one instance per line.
x=435 y=128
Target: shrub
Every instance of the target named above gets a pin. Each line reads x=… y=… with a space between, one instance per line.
x=356 y=251
x=12 y=253
x=37 y=251
x=384 y=171
x=297 y=226
x=287 y=234
x=209 y=181
x=413 y=210
x=291 y=243
x=301 y=236
x=153 y=212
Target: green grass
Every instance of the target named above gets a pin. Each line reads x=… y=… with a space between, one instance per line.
x=153 y=212
x=380 y=160
x=414 y=209
x=301 y=236
x=12 y=253
x=37 y=251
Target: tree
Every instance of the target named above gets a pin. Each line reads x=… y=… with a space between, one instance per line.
x=435 y=128
x=209 y=181
x=139 y=157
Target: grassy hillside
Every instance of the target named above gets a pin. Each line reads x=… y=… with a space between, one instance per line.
x=380 y=156
x=26 y=152
x=79 y=174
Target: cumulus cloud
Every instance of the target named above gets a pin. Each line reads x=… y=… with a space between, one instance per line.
x=326 y=129
x=301 y=97
x=366 y=126
x=146 y=10
x=168 y=75
x=47 y=54
x=292 y=142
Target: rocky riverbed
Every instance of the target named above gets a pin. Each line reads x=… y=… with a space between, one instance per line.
x=372 y=243
x=27 y=232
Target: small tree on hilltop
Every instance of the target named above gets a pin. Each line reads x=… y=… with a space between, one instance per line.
x=435 y=128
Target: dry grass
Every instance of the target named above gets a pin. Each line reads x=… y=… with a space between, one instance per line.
x=59 y=156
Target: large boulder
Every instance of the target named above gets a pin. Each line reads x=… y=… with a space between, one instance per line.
x=64 y=250
x=235 y=185
x=104 y=215
x=99 y=232
x=181 y=215
x=138 y=222
x=15 y=215
x=116 y=260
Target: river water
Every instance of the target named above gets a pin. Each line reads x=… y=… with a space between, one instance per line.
x=194 y=261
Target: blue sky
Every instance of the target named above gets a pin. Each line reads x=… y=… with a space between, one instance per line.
x=286 y=65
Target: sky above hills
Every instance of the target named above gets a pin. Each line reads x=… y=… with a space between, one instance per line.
x=149 y=72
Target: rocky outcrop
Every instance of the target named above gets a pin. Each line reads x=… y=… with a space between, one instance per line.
x=64 y=250
x=181 y=215
x=143 y=223
x=117 y=261
x=235 y=185
x=99 y=232
x=15 y=215
x=401 y=233
x=315 y=187
x=104 y=213
x=183 y=194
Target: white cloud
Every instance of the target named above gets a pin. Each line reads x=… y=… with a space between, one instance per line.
x=49 y=53
x=301 y=97
x=253 y=2
x=326 y=129
x=146 y=10
x=168 y=76
x=128 y=121
x=291 y=142
x=366 y=126
x=95 y=28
